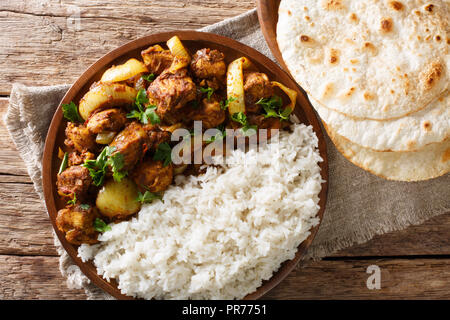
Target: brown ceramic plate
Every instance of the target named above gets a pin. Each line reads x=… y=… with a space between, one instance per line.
x=268 y=19
x=192 y=40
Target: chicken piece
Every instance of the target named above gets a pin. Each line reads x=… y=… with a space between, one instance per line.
x=208 y=64
x=79 y=138
x=156 y=59
x=76 y=158
x=171 y=91
x=153 y=176
x=256 y=86
x=77 y=222
x=107 y=120
x=132 y=142
x=74 y=180
x=136 y=82
x=214 y=83
x=156 y=136
x=210 y=113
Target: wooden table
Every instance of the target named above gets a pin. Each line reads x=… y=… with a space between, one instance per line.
x=43 y=43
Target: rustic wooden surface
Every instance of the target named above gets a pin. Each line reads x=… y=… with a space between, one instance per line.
x=40 y=45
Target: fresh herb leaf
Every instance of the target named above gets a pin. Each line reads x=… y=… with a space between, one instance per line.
x=141 y=99
x=163 y=153
x=219 y=135
x=64 y=163
x=152 y=115
x=247 y=129
x=73 y=200
x=85 y=206
x=209 y=91
x=135 y=114
x=149 y=77
x=285 y=113
x=98 y=167
x=272 y=108
x=148 y=197
x=116 y=162
x=101 y=226
x=141 y=112
x=274 y=102
x=224 y=104
x=239 y=117
x=70 y=112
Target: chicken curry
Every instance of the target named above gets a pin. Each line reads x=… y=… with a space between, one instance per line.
x=117 y=149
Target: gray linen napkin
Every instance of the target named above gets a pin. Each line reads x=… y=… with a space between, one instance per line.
x=360 y=205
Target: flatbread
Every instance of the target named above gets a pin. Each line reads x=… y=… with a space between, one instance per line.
x=367 y=59
x=430 y=162
x=410 y=133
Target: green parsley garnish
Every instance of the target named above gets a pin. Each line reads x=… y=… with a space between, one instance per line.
x=163 y=153
x=70 y=112
x=209 y=91
x=116 y=162
x=85 y=206
x=247 y=129
x=224 y=105
x=239 y=117
x=73 y=200
x=142 y=113
x=64 y=163
x=272 y=108
x=219 y=135
x=149 y=77
x=101 y=226
x=148 y=197
x=98 y=167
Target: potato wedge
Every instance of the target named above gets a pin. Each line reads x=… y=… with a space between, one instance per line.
x=118 y=199
x=106 y=95
x=124 y=71
x=235 y=85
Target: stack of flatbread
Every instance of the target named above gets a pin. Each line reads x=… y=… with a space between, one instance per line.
x=377 y=72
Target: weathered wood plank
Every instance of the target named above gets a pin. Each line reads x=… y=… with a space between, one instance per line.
x=429 y=238
x=400 y=279
x=39 y=278
x=25 y=227
x=56 y=36
x=33 y=278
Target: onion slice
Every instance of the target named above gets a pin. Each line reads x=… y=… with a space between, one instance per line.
x=292 y=94
x=105 y=137
x=104 y=95
x=235 y=85
x=124 y=71
x=177 y=49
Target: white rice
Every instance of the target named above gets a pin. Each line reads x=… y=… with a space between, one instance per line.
x=218 y=235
